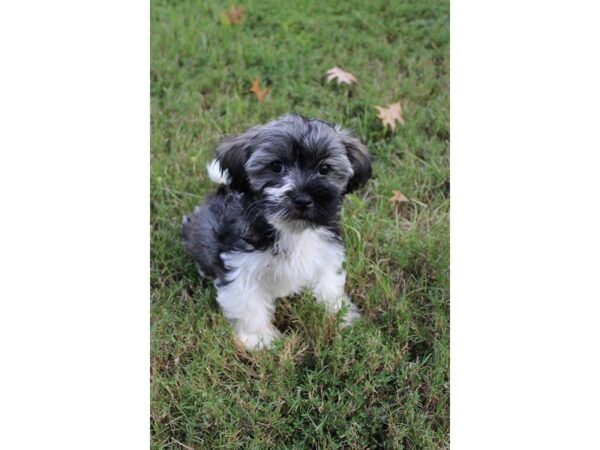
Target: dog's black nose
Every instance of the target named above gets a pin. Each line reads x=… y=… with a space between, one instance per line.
x=302 y=201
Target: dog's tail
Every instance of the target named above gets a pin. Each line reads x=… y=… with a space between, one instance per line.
x=216 y=173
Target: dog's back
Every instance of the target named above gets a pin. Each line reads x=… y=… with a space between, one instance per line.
x=200 y=233
x=218 y=226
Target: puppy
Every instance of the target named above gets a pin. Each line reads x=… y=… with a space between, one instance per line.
x=272 y=227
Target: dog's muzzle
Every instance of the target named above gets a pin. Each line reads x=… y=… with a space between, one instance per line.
x=301 y=201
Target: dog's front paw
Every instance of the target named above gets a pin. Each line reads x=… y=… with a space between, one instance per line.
x=260 y=340
x=351 y=315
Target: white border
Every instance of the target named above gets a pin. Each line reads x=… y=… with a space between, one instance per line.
x=74 y=238
x=525 y=225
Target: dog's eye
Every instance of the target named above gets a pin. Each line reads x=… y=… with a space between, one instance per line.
x=324 y=169
x=276 y=167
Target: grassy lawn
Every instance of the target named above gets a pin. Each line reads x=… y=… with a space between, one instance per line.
x=383 y=383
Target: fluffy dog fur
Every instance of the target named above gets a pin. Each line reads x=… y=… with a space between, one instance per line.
x=272 y=227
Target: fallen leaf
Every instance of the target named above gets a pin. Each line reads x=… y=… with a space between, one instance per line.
x=341 y=76
x=391 y=114
x=235 y=15
x=398 y=198
x=260 y=93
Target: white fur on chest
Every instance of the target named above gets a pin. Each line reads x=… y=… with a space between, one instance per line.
x=295 y=262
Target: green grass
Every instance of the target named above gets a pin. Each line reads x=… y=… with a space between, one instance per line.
x=383 y=383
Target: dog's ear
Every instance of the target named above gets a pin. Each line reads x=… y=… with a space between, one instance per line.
x=232 y=154
x=360 y=160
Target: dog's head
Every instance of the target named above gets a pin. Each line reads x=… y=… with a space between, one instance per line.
x=300 y=168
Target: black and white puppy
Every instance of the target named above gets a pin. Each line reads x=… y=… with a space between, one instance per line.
x=272 y=227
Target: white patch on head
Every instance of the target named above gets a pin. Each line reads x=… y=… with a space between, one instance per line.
x=279 y=194
x=216 y=174
x=276 y=196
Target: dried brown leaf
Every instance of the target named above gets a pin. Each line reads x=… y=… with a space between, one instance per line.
x=398 y=198
x=391 y=114
x=235 y=15
x=260 y=93
x=340 y=75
